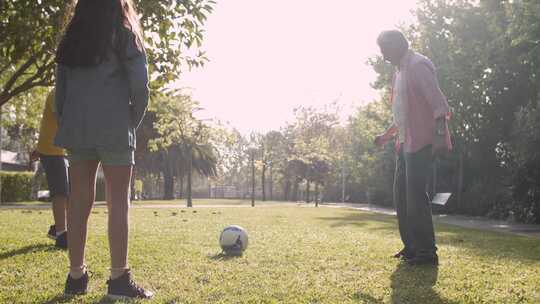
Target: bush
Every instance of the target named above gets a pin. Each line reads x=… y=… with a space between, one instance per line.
x=16 y=186
x=525 y=165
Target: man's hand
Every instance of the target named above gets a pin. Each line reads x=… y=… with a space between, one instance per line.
x=34 y=156
x=439 y=138
x=381 y=140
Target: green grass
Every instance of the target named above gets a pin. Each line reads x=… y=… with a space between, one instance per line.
x=208 y=202
x=295 y=255
x=179 y=203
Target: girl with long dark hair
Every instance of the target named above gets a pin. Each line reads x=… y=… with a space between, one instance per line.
x=101 y=97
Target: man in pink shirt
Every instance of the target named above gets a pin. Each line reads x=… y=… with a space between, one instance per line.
x=420 y=128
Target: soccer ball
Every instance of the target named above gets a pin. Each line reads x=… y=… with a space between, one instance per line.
x=233 y=240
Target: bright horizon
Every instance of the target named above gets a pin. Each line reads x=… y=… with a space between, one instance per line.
x=268 y=57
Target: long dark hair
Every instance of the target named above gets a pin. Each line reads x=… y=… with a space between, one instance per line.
x=97 y=27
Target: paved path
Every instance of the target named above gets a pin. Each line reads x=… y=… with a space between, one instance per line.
x=480 y=223
x=471 y=222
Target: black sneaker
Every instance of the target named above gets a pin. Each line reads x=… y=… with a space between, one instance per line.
x=124 y=287
x=76 y=286
x=52 y=232
x=423 y=260
x=61 y=241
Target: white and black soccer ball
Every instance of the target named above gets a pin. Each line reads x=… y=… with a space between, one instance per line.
x=233 y=240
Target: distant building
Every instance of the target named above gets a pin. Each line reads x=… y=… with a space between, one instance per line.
x=13 y=161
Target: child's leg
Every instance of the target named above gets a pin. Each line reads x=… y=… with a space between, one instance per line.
x=56 y=171
x=83 y=187
x=59 y=205
x=117 y=179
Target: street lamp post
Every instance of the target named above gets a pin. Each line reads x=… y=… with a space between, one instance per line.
x=252 y=177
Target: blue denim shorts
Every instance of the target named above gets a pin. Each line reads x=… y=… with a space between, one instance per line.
x=106 y=157
x=56 y=171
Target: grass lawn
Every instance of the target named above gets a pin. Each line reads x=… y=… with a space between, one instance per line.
x=208 y=202
x=179 y=203
x=295 y=255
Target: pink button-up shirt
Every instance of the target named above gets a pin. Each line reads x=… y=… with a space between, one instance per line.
x=424 y=103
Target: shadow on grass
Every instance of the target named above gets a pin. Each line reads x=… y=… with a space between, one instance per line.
x=27 y=249
x=366 y=298
x=223 y=257
x=61 y=298
x=415 y=285
x=409 y=285
x=384 y=222
x=481 y=243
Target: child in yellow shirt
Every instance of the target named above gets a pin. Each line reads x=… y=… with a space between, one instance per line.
x=55 y=164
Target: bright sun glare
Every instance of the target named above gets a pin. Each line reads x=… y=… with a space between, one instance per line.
x=268 y=57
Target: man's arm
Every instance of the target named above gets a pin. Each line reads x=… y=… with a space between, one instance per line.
x=427 y=85
x=425 y=82
x=382 y=139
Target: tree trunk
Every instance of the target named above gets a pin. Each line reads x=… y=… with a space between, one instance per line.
x=189 y=176
x=1 y=149
x=168 y=183
x=286 y=189
x=263 y=182
x=308 y=185
x=271 y=184
x=132 y=183
x=316 y=194
x=460 y=181
x=295 y=190
x=182 y=186
x=252 y=181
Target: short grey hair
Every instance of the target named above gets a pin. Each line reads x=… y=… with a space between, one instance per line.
x=394 y=38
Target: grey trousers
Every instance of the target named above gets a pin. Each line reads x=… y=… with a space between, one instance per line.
x=412 y=202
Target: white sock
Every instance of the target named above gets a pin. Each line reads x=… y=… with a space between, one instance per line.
x=77 y=272
x=118 y=272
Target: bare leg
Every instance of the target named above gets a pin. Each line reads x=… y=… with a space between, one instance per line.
x=117 y=179
x=59 y=205
x=83 y=191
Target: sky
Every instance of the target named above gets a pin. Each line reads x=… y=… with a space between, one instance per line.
x=269 y=57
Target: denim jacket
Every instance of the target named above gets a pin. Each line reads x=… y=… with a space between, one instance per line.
x=101 y=106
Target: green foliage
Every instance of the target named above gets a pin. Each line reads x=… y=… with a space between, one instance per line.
x=526 y=165
x=21 y=119
x=176 y=143
x=31 y=29
x=16 y=186
x=487 y=57
x=370 y=168
x=311 y=153
x=174 y=34
x=181 y=135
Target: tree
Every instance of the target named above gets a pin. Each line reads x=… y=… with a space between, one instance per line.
x=183 y=141
x=21 y=120
x=370 y=169
x=30 y=31
x=310 y=152
x=272 y=155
